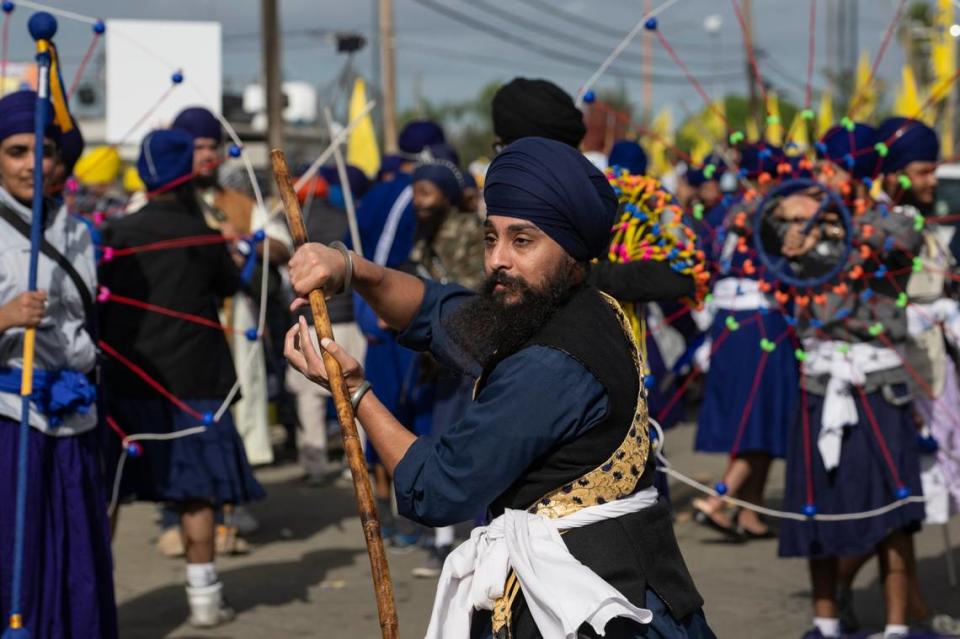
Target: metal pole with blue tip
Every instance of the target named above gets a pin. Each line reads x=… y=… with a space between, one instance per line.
x=42 y=27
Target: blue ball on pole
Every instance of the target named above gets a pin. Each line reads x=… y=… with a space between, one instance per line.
x=589 y=97
x=177 y=77
x=721 y=488
x=99 y=27
x=809 y=510
x=42 y=26
x=8 y=7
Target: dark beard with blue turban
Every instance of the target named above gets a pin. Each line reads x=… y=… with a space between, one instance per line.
x=553 y=186
x=489 y=329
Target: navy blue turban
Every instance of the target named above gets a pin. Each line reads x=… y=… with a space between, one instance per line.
x=697 y=176
x=200 y=123
x=420 y=134
x=356 y=178
x=851 y=150
x=627 y=154
x=389 y=163
x=16 y=116
x=71 y=148
x=165 y=156
x=756 y=159
x=553 y=186
x=907 y=141
x=440 y=168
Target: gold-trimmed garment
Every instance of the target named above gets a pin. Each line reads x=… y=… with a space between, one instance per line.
x=615 y=479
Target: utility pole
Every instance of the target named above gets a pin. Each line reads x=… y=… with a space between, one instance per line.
x=272 y=75
x=388 y=77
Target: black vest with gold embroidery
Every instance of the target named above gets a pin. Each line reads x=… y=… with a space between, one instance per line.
x=610 y=461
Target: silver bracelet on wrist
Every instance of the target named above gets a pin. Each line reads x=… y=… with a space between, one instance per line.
x=358 y=394
x=348 y=271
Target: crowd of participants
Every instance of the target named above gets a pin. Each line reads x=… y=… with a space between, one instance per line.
x=153 y=281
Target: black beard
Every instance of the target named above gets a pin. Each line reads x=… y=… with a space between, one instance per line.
x=489 y=329
x=204 y=182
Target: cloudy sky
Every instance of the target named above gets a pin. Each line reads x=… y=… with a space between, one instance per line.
x=441 y=58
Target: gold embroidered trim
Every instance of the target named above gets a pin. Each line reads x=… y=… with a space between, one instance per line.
x=614 y=479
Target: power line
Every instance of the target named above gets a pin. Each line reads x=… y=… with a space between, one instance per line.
x=599 y=27
x=567 y=38
x=525 y=43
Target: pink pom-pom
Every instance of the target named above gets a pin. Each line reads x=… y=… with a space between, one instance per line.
x=107 y=253
x=103 y=294
x=99 y=217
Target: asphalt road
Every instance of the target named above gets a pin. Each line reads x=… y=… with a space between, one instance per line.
x=308 y=575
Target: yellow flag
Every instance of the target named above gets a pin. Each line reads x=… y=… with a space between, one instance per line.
x=864 y=100
x=362 y=149
x=944 y=58
x=907 y=100
x=657 y=143
x=774 y=130
x=751 y=130
x=715 y=121
x=798 y=135
x=825 y=115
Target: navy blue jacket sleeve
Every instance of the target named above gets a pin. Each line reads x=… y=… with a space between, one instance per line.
x=533 y=401
x=427 y=333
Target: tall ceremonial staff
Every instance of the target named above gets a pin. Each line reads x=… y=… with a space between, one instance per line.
x=42 y=28
x=386 y=607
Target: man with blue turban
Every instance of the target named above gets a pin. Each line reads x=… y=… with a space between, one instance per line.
x=556 y=437
x=67 y=585
x=235 y=213
x=848 y=405
x=204 y=472
x=912 y=151
x=908 y=160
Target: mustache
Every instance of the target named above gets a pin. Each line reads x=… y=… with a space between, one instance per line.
x=509 y=282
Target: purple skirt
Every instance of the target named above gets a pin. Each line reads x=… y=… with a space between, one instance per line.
x=863 y=481
x=68 y=569
x=724 y=422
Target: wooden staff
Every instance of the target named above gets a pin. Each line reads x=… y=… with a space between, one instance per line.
x=386 y=606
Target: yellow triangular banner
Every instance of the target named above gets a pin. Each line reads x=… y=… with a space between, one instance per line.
x=362 y=149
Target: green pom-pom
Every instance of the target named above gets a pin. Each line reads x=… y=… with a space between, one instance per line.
x=698 y=211
x=917 y=264
x=709 y=170
x=767 y=345
x=800 y=354
x=708 y=298
x=882 y=149
x=736 y=137
x=848 y=124
x=902 y=300
x=773 y=119
x=876 y=329
x=807 y=114
x=905 y=182
x=732 y=323
x=918 y=222
x=843 y=348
